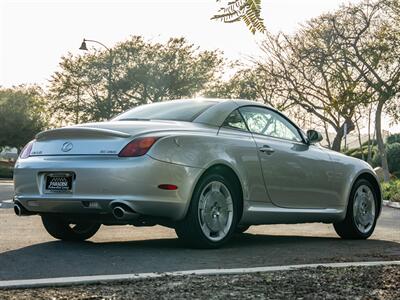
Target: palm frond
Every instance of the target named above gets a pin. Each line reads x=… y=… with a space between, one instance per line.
x=248 y=11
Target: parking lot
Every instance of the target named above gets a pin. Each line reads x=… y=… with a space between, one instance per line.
x=27 y=251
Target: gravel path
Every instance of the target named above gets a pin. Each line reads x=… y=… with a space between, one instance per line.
x=381 y=282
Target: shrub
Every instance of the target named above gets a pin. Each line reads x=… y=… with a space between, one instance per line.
x=6 y=172
x=372 y=143
x=394 y=138
x=393 y=157
x=391 y=190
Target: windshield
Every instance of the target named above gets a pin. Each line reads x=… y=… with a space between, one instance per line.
x=177 y=110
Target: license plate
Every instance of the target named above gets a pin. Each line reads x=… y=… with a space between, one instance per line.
x=59 y=183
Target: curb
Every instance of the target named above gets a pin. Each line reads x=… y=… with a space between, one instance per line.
x=79 y=280
x=6 y=182
x=391 y=204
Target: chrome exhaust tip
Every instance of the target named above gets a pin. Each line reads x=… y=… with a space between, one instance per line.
x=118 y=212
x=18 y=209
x=122 y=213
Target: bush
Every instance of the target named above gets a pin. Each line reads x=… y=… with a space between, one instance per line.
x=6 y=172
x=392 y=150
x=394 y=138
x=372 y=143
x=393 y=157
x=359 y=154
x=391 y=190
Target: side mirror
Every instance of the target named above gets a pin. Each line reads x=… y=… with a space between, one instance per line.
x=314 y=136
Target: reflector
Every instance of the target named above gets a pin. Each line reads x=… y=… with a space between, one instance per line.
x=170 y=187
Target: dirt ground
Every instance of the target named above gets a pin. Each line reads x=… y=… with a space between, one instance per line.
x=381 y=282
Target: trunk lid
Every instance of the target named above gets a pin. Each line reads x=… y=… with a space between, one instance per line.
x=103 y=138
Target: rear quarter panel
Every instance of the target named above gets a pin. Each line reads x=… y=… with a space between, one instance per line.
x=232 y=148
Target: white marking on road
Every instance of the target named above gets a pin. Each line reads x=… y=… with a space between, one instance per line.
x=65 y=281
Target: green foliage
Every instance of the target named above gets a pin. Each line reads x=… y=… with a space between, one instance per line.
x=391 y=190
x=248 y=11
x=6 y=169
x=142 y=72
x=358 y=153
x=394 y=138
x=393 y=157
x=250 y=84
x=372 y=143
x=6 y=173
x=22 y=115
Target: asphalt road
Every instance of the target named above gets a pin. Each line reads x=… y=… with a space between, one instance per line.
x=27 y=251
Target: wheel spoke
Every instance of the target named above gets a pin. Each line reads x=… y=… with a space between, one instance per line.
x=216 y=186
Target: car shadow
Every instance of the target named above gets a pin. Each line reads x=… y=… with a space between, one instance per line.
x=59 y=259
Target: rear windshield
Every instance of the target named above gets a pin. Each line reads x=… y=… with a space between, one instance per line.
x=184 y=110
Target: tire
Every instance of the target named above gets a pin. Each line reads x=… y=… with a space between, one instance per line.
x=212 y=218
x=241 y=229
x=362 y=212
x=67 y=231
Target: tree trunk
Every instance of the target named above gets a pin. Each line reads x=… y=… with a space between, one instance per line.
x=327 y=135
x=359 y=140
x=340 y=133
x=369 y=157
x=380 y=142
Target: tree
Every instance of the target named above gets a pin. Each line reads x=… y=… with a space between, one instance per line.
x=250 y=83
x=248 y=11
x=142 y=72
x=369 y=39
x=22 y=115
x=310 y=73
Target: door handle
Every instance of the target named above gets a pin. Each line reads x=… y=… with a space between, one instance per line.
x=266 y=149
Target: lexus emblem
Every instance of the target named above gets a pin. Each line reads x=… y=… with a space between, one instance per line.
x=67 y=146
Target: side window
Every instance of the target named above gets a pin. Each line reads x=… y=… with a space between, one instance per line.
x=235 y=120
x=267 y=122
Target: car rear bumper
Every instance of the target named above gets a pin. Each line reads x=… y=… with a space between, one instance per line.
x=102 y=181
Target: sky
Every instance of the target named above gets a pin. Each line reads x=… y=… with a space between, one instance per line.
x=34 y=34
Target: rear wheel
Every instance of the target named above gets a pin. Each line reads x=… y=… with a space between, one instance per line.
x=69 y=231
x=213 y=213
x=361 y=213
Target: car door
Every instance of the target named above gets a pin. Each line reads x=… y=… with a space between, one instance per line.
x=242 y=151
x=296 y=175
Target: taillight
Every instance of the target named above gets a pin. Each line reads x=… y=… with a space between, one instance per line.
x=26 y=151
x=138 y=147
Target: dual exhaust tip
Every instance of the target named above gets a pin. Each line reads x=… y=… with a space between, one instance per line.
x=120 y=212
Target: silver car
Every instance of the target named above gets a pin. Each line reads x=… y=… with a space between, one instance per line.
x=207 y=168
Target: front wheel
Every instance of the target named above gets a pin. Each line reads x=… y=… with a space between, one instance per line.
x=361 y=213
x=213 y=213
x=69 y=231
